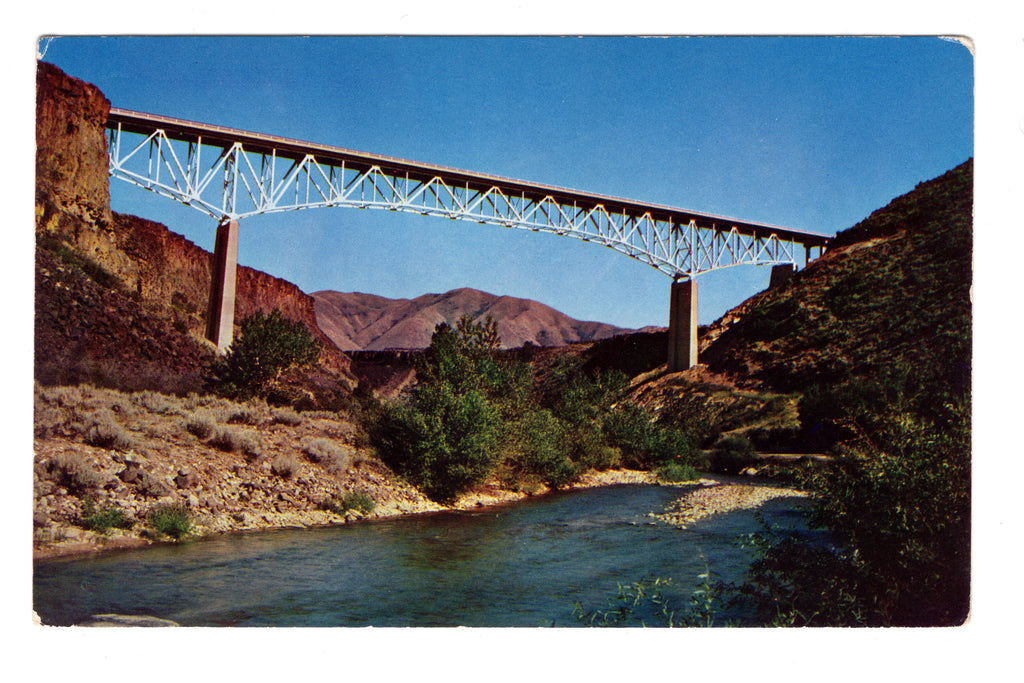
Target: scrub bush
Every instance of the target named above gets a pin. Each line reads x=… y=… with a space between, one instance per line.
x=286 y=416
x=284 y=465
x=105 y=519
x=105 y=432
x=74 y=472
x=171 y=520
x=234 y=441
x=201 y=425
x=325 y=452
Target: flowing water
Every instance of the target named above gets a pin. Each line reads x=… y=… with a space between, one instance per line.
x=525 y=564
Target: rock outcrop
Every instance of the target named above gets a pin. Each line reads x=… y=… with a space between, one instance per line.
x=71 y=149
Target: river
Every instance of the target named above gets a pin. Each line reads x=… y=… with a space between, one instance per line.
x=525 y=564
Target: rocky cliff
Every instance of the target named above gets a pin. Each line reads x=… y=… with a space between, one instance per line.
x=132 y=260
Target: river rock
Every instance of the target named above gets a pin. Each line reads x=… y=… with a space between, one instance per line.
x=186 y=478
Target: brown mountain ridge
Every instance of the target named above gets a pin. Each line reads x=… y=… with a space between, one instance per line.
x=365 y=322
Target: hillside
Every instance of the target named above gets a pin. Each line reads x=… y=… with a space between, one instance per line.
x=883 y=317
x=893 y=291
x=365 y=322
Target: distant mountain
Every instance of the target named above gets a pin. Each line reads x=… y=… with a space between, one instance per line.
x=356 y=321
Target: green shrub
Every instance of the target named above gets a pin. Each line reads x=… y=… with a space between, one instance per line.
x=357 y=501
x=266 y=346
x=171 y=520
x=676 y=472
x=644 y=443
x=732 y=454
x=640 y=604
x=444 y=444
x=540 y=452
x=898 y=511
x=584 y=398
x=105 y=519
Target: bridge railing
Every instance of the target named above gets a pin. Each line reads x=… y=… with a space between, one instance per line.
x=235 y=174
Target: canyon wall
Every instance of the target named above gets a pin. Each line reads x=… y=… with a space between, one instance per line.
x=168 y=275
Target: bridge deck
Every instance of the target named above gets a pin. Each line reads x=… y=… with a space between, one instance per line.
x=286 y=148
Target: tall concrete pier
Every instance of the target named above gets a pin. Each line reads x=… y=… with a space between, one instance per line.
x=682 y=325
x=220 y=320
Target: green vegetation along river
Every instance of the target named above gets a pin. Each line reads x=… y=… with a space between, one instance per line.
x=526 y=564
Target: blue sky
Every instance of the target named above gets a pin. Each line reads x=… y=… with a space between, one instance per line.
x=806 y=133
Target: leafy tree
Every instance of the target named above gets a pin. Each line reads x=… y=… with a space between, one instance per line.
x=444 y=443
x=446 y=440
x=535 y=450
x=266 y=346
x=645 y=443
x=478 y=338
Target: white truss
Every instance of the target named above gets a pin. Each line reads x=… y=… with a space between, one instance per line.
x=239 y=179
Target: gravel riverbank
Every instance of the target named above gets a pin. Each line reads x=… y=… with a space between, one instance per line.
x=717 y=495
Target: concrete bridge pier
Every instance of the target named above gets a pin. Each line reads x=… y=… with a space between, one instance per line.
x=682 y=326
x=220 y=319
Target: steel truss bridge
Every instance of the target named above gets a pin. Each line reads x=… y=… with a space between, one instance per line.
x=233 y=174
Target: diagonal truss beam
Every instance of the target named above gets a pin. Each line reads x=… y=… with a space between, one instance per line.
x=232 y=174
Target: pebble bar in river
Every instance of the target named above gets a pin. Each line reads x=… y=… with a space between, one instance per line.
x=713 y=497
